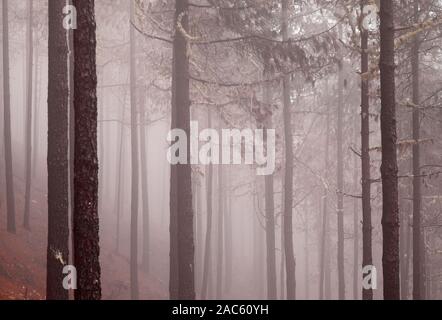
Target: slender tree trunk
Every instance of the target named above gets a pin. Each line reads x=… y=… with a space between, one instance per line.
x=340 y=185
x=28 y=130
x=417 y=239
x=389 y=168
x=182 y=278
x=36 y=106
x=356 y=266
x=220 y=233
x=10 y=198
x=306 y=259
x=58 y=149
x=208 y=241
x=118 y=185
x=367 y=259
x=288 y=187
x=270 y=213
x=135 y=168
x=86 y=222
x=144 y=186
x=324 y=277
x=228 y=241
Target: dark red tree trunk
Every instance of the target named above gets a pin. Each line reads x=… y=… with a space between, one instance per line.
x=58 y=149
x=389 y=167
x=86 y=222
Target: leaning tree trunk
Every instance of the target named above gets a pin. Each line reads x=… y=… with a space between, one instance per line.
x=58 y=150
x=134 y=157
x=417 y=239
x=182 y=282
x=28 y=129
x=389 y=168
x=288 y=181
x=367 y=259
x=86 y=222
x=10 y=198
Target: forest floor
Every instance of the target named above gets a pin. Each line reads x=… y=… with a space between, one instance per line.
x=23 y=260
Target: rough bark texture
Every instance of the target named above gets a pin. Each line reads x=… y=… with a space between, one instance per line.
x=367 y=258
x=58 y=148
x=417 y=239
x=10 y=198
x=182 y=283
x=135 y=168
x=86 y=223
x=28 y=130
x=288 y=181
x=389 y=168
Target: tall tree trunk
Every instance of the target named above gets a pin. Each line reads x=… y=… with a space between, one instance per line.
x=389 y=168
x=288 y=181
x=10 y=198
x=28 y=130
x=220 y=233
x=417 y=239
x=36 y=106
x=119 y=181
x=324 y=278
x=228 y=241
x=144 y=185
x=208 y=240
x=367 y=259
x=86 y=222
x=306 y=258
x=58 y=150
x=270 y=212
x=182 y=278
x=134 y=158
x=356 y=266
x=340 y=184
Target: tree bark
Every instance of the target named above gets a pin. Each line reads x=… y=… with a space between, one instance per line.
x=10 y=198
x=389 y=168
x=58 y=150
x=220 y=233
x=86 y=221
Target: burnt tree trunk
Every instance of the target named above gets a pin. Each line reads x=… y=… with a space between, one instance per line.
x=86 y=222
x=10 y=198
x=389 y=168
x=58 y=150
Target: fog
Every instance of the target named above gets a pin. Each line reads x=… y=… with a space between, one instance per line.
x=233 y=85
